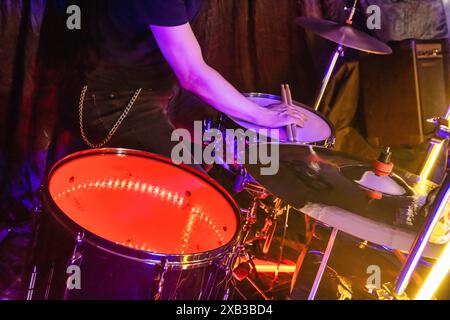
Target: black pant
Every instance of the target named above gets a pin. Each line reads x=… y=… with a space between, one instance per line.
x=146 y=127
x=151 y=121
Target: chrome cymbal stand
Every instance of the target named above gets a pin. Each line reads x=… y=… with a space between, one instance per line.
x=334 y=232
x=436 y=212
x=241 y=271
x=334 y=60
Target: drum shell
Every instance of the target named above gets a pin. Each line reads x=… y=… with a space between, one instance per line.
x=111 y=271
x=109 y=275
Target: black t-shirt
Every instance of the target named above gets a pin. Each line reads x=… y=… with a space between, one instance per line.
x=122 y=52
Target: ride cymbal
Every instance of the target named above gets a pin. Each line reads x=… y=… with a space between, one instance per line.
x=344 y=35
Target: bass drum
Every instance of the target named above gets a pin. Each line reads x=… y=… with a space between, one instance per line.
x=122 y=224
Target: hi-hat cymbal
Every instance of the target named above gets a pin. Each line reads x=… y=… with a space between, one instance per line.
x=344 y=35
x=343 y=192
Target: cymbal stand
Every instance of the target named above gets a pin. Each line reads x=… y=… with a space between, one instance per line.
x=283 y=239
x=326 y=80
x=436 y=212
x=268 y=230
x=241 y=271
x=337 y=54
x=332 y=66
x=439 y=140
x=323 y=264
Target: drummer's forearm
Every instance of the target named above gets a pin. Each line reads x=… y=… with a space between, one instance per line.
x=182 y=51
x=212 y=88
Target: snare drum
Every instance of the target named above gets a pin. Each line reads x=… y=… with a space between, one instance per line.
x=121 y=224
x=318 y=131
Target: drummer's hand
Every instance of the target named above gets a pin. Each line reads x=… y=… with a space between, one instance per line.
x=282 y=115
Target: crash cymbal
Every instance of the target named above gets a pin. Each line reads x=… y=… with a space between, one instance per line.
x=344 y=35
x=343 y=192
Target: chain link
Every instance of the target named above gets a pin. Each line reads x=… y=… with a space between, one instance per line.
x=116 y=125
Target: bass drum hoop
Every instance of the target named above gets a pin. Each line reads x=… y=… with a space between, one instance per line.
x=172 y=261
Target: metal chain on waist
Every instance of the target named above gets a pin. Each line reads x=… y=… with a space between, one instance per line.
x=115 y=126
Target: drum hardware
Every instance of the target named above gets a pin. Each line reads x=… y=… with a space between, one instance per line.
x=442 y=130
x=37 y=215
x=207 y=124
x=185 y=261
x=228 y=266
x=336 y=194
x=339 y=53
x=283 y=239
x=296 y=184
x=243 y=270
x=387 y=292
x=438 y=142
x=261 y=292
x=255 y=189
x=258 y=193
x=318 y=130
x=344 y=36
x=270 y=224
x=77 y=256
x=423 y=237
x=383 y=166
x=241 y=180
x=401 y=256
x=272 y=213
x=32 y=283
x=323 y=264
x=160 y=278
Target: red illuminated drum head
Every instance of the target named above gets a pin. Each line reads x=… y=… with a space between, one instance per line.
x=144 y=202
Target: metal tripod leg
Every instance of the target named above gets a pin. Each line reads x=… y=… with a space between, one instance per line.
x=327 y=77
x=323 y=264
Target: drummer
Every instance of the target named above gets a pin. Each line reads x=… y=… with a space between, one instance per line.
x=150 y=45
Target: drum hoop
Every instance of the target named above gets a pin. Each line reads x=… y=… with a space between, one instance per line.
x=329 y=142
x=173 y=261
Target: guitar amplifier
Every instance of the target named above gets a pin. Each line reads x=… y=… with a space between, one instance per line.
x=401 y=91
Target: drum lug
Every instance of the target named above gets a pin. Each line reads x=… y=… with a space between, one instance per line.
x=330 y=142
x=160 y=278
x=77 y=256
x=32 y=283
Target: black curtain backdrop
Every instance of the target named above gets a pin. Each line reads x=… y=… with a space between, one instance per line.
x=254 y=43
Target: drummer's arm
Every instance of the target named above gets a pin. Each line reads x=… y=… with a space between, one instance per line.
x=182 y=51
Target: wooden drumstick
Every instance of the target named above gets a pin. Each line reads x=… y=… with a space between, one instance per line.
x=284 y=95
x=291 y=104
x=290 y=135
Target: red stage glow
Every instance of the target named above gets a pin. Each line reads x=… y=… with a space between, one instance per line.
x=143 y=203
